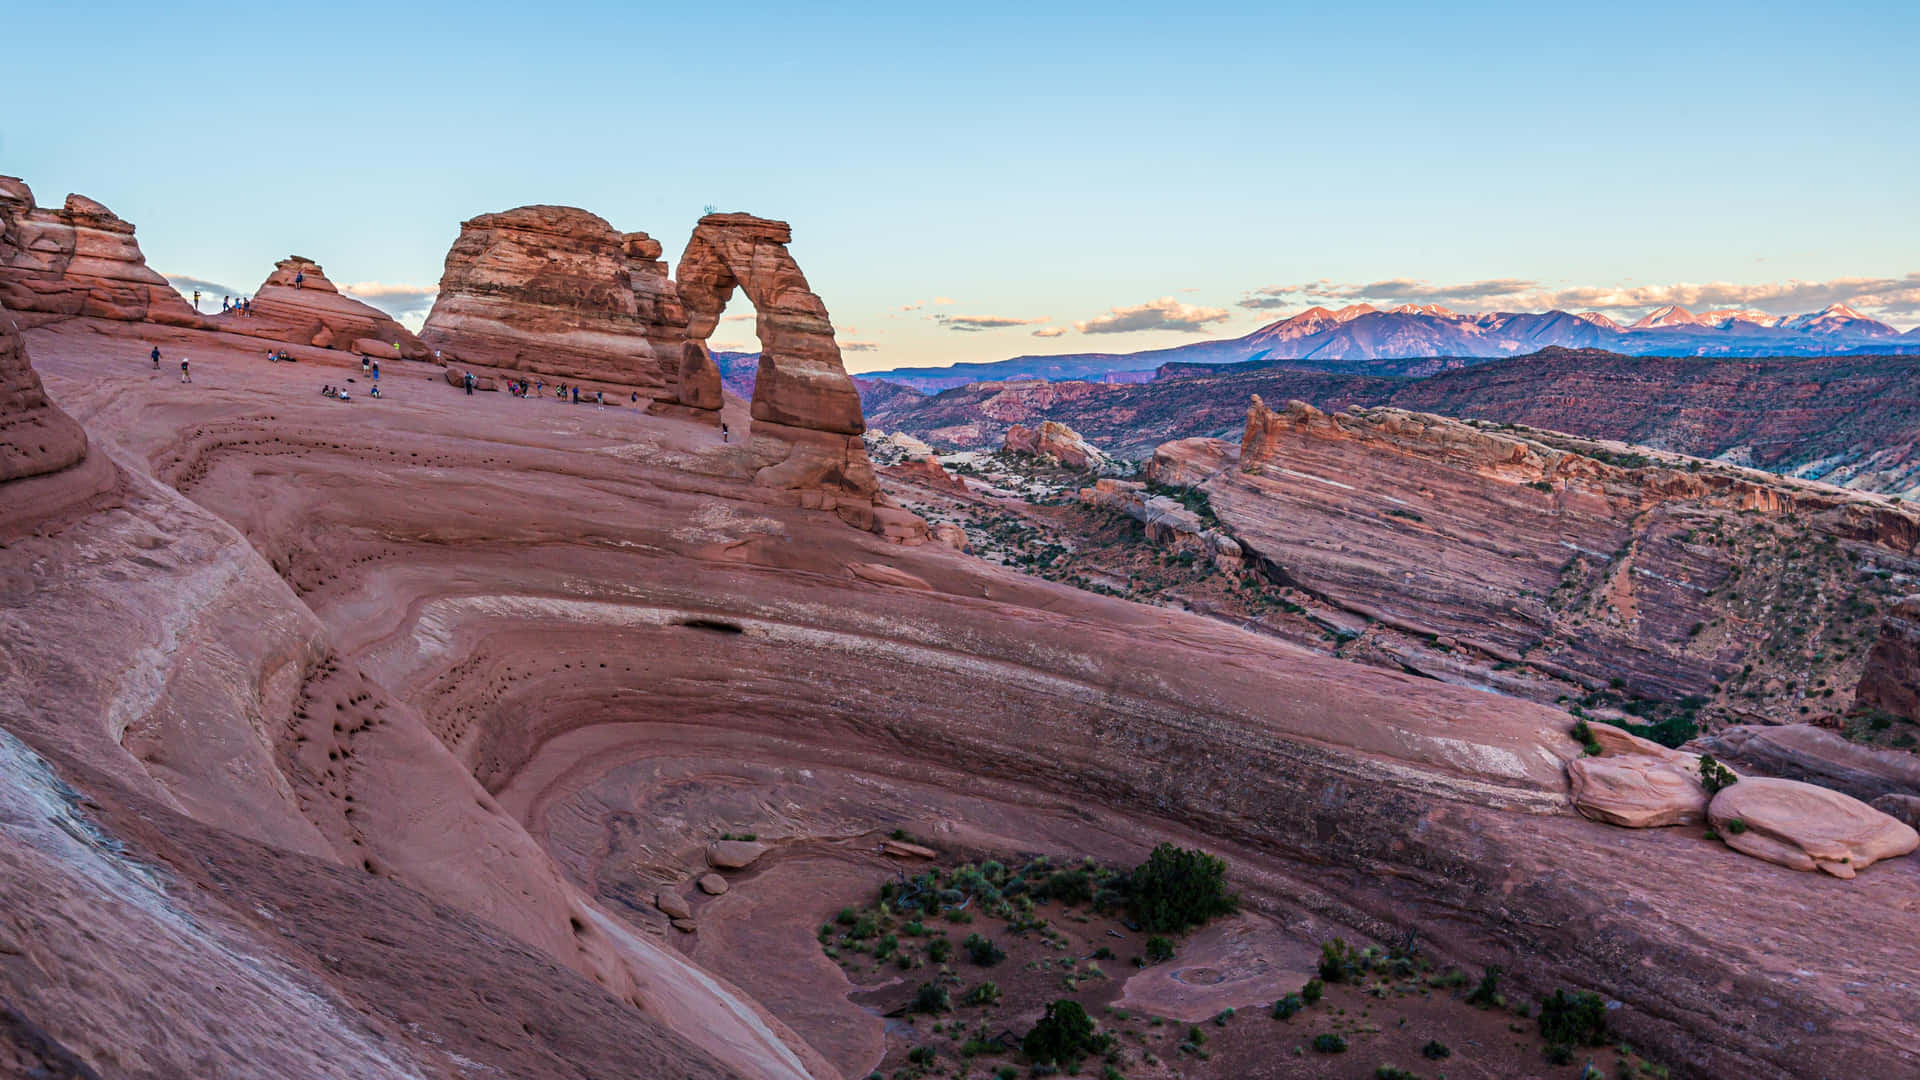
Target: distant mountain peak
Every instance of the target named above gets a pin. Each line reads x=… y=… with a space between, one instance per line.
x=1424 y=309
x=1670 y=315
x=1597 y=319
x=1352 y=312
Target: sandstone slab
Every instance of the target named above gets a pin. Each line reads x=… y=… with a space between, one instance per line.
x=734 y=854
x=673 y=905
x=712 y=884
x=1637 y=792
x=1806 y=827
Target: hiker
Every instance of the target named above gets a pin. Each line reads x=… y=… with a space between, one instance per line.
x=636 y=398
x=723 y=431
x=185 y=375
x=469 y=383
x=343 y=393
x=376 y=371
x=299 y=278
x=375 y=392
x=364 y=361
x=156 y=358
x=600 y=399
x=576 y=395
x=196 y=299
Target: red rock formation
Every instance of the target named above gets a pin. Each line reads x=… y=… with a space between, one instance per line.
x=549 y=290
x=806 y=411
x=78 y=260
x=1891 y=681
x=926 y=469
x=1056 y=441
x=314 y=312
x=684 y=373
x=40 y=445
x=1806 y=827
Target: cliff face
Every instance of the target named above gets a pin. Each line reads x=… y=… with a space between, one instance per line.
x=78 y=260
x=45 y=468
x=547 y=290
x=1891 y=681
x=1587 y=561
x=299 y=305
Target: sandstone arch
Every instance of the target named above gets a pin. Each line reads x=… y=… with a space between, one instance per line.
x=806 y=412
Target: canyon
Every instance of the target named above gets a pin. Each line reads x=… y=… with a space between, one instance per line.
x=451 y=734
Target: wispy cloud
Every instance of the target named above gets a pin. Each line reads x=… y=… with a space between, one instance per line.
x=1165 y=313
x=1050 y=331
x=394 y=299
x=1883 y=296
x=739 y=317
x=915 y=306
x=184 y=284
x=859 y=346
x=943 y=299
x=975 y=323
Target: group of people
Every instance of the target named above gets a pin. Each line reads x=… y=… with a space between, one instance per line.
x=339 y=393
x=242 y=305
x=186 y=371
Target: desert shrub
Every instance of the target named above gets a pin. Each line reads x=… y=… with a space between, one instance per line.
x=921 y=1055
x=1339 y=962
x=1288 y=1007
x=986 y=993
x=1159 y=949
x=1574 y=1019
x=1487 y=993
x=1735 y=826
x=1065 y=1035
x=1220 y=1018
x=1329 y=1043
x=847 y=916
x=1583 y=734
x=1393 y=1072
x=1177 y=888
x=981 y=950
x=932 y=999
x=1559 y=1054
x=939 y=949
x=1311 y=992
x=1715 y=776
x=1435 y=1050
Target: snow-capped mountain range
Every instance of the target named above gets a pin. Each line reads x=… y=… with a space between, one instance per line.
x=1354 y=336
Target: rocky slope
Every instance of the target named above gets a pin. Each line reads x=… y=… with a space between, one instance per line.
x=368 y=748
x=78 y=260
x=1604 y=567
x=298 y=305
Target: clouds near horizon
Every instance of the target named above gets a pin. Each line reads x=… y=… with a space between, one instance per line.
x=394 y=299
x=975 y=323
x=1884 y=296
x=1165 y=313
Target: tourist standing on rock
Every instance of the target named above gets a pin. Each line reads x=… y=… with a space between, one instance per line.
x=468 y=380
x=723 y=431
x=299 y=278
x=196 y=299
x=185 y=375
x=376 y=371
x=156 y=358
x=576 y=394
x=364 y=361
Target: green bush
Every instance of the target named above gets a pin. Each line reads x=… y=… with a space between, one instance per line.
x=1159 y=949
x=1339 y=962
x=921 y=1055
x=1575 y=1019
x=1329 y=1043
x=1735 y=826
x=1487 y=993
x=1392 y=1072
x=1287 y=1007
x=1065 y=1035
x=986 y=993
x=1435 y=1050
x=932 y=999
x=1177 y=888
x=939 y=949
x=981 y=950
x=1311 y=992
x=1715 y=776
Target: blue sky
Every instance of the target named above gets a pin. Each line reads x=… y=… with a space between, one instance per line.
x=1106 y=179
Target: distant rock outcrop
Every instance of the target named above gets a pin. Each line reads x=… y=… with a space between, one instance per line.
x=1057 y=441
x=297 y=304
x=1167 y=522
x=1891 y=681
x=550 y=290
x=78 y=260
x=1816 y=756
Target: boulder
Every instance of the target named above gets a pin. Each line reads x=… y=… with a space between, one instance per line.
x=712 y=884
x=78 y=260
x=1056 y=441
x=1890 y=682
x=317 y=313
x=457 y=378
x=1636 y=791
x=1807 y=827
x=673 y=905
x=734 y=854
x=549 y=290
x=685 y=926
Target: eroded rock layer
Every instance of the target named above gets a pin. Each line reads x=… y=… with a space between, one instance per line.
x=548 y=290
x=1591 y=562
x=299 y=305
x=1891 y=682
x=78 y=260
